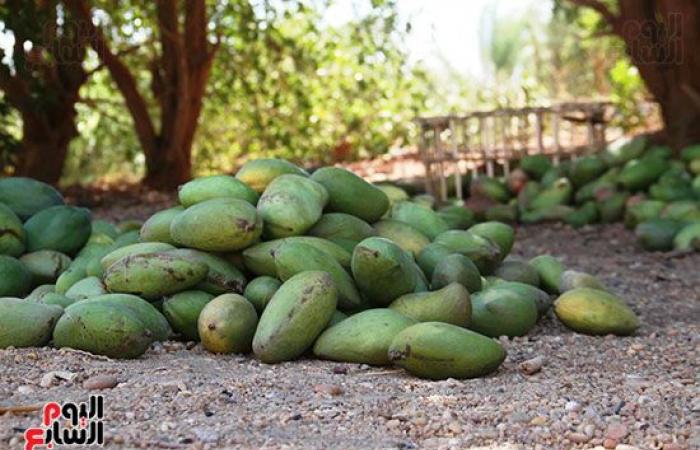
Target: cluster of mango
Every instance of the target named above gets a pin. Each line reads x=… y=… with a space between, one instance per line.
x=283 y=263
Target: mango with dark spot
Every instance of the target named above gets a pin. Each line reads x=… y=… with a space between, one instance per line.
x=403 y=235
x=450 y=305
x=97 y=246
x=155 y=322
x=182 y=311
x=227 y=324
x=259 y=258
x=45 y=265
x=223 y=276
x=437 y=350
x=382 y=270
x=26 y=324
x=342 y=229
x=500 y=233
x=296 y=315
x=86 y=288
x=12 y=235
x=483 y=252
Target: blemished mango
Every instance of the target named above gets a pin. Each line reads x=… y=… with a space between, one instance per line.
x=52 y=298
x=350 y=194
x=342 y=229
x=154 y=275
x=65 y=229
x=457 y=217
x=26 y=196
x=573 y=279
x=430 y=256
x=45 y=265
x=222 y=277
x=217 y=225
x=363 y=338
x=140 y=248
x=157 y=227
x=97 y=246
x=520 y=271
x=481 y=250
x=456 y=268
x=592 y=311
x=419 y=217
x=227 y=324
x=437 y=350
x=403 y=235
x=499 y=312
x=182 y=311
x=542 y=300
x=86 y=288
x=450 y=304
x=259 y=173
x=26 y=324
x=296 y=315
x=15 y=279
x=12 y=235
x=549 y=269
x=260 y=290
x=259 y=258
x=500 y=233
x=215 y=186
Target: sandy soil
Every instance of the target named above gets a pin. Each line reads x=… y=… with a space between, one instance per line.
x=640 y=391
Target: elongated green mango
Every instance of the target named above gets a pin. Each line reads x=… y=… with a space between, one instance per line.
x=218 y=225
x=657 y=234
x=542 y=300
x=481 y=250
x=86 y=288
x=227 y=324
x=456 y=268
x=549 y=269
x=518 y=271
x=260 y=290
x=688 y=238
x=350 y=194
x=363 y=338
x=394 y=193
x=382 y=270
x=222 y=277
x=342 y=229
x=586 y=214
x=501 y=234
x=154 y=275
x=558 y=194
x=26 y=196
x=457 y=217
x=45 y=265
x=182 y=311
x=215 y=186
x=15 y=279
x=26 y=324
x=293 y=258
x=52 y=298
x=259 y=258
x=572 y=279
x=104 y=227
x=259 y=173
x=12 y=235
x=419 y=217
x=596 y=312
x=403 y=235
x=296 y=315
x=430 y=257
x=437 y=351
x=140 y=248
x=65 y=229
x=450 y=304
x=155 y=322
x=498 y=312
x=97 y=246
x=157 y=227
x=40 y=291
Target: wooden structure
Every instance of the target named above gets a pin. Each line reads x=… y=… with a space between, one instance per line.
x=492 y=140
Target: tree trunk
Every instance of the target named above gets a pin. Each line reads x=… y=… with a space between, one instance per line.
x=43 y=150
x=168 y=167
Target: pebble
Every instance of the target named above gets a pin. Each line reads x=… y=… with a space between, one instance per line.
x=25 y=389
x=572 y=406
x=52 y=377
x=616 y=431
x=578 y=438
x=532 y=366
x=101 y=382
x=330 y=389
x=609 y=443
x=539 y=421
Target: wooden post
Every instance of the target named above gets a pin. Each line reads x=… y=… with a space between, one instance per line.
x=457 y=159
x=441 y=162
x=539 y=129
x=555 y=132
x=423 y=148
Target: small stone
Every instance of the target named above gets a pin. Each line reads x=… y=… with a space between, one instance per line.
x=420 y=421
x=330 y=389
x=578 y=438
x=672 y=446
x=340 y=370
x=519 y=417
x=610 y=443
x=539 y=421
x=101 y=382
x=393 y=423
x=616 y=431
x=206 y=436
x=531 y=366
x=52 y=377
x=455 y=427
x=25 y=389
x=572 y=406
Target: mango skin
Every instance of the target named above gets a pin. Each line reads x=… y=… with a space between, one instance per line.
x=450 y=304
x=260 y=290
x=419 y=217
x=591 y=311
x=227 y=324
x=65 y=229
x=500 y=233
x=140 y=248
x=97 y=246
x=572 y=279
x=456 y=268
x=222 y=277
x=403 y=235
x=45 y=265
x=430 y=257
x=103 y=329
x=215 y=186
x=259 y=173
x=293 y=258
x=26 y=324
x=15 y=279
x=86 y=288
x=436 y=351
x=259 y=258
x=12 y=235
x=503 y=313
x=296 y=315
x=26 y=196
x=542 y=300
x=518 y=271
x=52 y=298
x=362 y=338
x=350 y=194
x=481 y=250
x=217 y=225
x=549 y=269
x=382 y=270
x=157 y=227
x=342 y=229
x=182 y=311
x=153 y=275
x=104 y=227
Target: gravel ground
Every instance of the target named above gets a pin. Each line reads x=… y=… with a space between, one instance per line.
x=637 y=392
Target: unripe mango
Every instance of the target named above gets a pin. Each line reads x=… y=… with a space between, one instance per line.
x=500 y=233
x=258 y=173
x=572 y=279
x=482 y=251
x=342 y=229
x=549 y=269
x=450 y=305
x=140 y=248
x=419 y=217
x=259 y=258
x=157 y=227
x=12 y=235
x=456 y=268
x=65 y=229
x=104 y=227
x=182 y=311
x=260 y=290
x=382 y=270
x=350 y=194
x=222 y=277
x=403 y=235
x=86 y=288
x=430 y=256
x=542 y=300
x=291 y=205
x=97 y=246
x=215 y=186
x=26 y=324
x=499 y=312
x=457 y=217
x=27 y=196
x=15 y=279
x=45 y=265
x=155 y=322
x=595 y=312
x=518 y=271
x=227 y=324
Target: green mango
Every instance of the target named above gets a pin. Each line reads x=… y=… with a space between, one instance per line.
x=501 y=234
x=26 y=324
x=297 y=314
x=688 y=238
x=572 y=279
x=612 y=209
x=625 y=149
x=419 y=217
x=157 y=227
x=215 y=186
x=525 y=197
x=403 y=235
x=549 y=269
x=260 y=290
x=450 y=304
x=338 y=316
x=672 y=191
x=456 y=268
x=490 y=188
x=589 y=191
x=45 y=265
x=102 y=328
x=457 y=217
x=259 y=173
x=425 y=200
x=141 y=248
x=342 y=229
x=639 y=174
x=40 y=291
x=382 y=270
x=104 y=227
x=363 y=338
x=552 y=176
x=259 y=258
x=518 y=271
x=430 y=256
x=222 y=277
x=15 y=279
x=438 y=351
x=227 y=324
x=155 y=322
x=128 y=238
x=586 y=169
x=689 y=153
x=394 y=193
x=26 y=196
x=97 y=246
x=483 y=252
x=657 y=234
x=86 y=288
x=129 y=225
x=642 y=211
x=65 y=229
x=501 y=312
x=12 y=235
x=559 y=193
x=536 y=165
x=696 y=186
x=687 y=210
x=291 y=205
x=154 y=275
x=658 y=151
x=350 y=194
x=586 y=214
x=554 y=213
x=293 y=257
x=182 y=311
x=200 y=225
x=595 y=312
x=52 y=298
x=502 y=213
x=422 y=283
x=542 y=300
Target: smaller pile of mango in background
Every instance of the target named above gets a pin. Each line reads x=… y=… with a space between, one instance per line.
x=283 y=264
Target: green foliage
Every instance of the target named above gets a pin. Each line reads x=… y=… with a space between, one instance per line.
x=9 y=143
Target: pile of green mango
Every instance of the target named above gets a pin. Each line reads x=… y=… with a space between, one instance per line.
x=281 y=263
x=644 y=186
